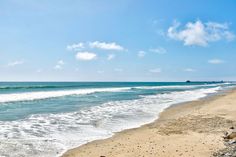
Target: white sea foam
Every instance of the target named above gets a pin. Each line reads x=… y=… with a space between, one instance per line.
x=49 y=134
x=26 y=96
x=29 y=96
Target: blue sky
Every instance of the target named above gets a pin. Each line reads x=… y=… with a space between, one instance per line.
x=119 y=40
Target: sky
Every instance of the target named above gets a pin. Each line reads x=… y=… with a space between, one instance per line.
x=117 y=40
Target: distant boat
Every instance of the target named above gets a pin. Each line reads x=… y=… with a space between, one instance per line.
x=188 y=81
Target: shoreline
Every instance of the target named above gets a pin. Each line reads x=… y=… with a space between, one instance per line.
x=164 y=129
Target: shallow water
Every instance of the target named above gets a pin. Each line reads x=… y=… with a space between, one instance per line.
x=44 y=119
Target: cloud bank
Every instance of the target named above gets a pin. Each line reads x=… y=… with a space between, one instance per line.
x=87 y=46
x=199 y=33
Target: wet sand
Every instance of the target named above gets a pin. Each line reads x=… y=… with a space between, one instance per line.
x=193 y=129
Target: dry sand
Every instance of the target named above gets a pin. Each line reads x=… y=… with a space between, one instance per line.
x=193 y=129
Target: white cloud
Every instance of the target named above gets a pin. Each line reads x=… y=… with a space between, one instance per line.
x=118 y=69
x=189 y=70
x=215 y=61
x=61 y=62
x=199 y=33
x=106 y=46
x=110 y=56
x=229 y=35
x=14 y=63
x=87 y=46
x=141 y=54
x=95 y=44
x=75 y=47
x=59 y=65
x=85 y=56
x=159 y=50
x=157 y=70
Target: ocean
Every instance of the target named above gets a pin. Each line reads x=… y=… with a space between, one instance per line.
x=44 y=119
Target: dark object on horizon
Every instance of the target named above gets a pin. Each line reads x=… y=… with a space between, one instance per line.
x=188 y=81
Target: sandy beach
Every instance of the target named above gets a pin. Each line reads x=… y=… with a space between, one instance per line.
x=193 y=129
x=117 y=78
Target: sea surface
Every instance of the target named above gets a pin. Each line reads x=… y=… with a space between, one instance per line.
x=44 y=119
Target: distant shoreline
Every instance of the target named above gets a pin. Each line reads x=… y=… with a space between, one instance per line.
x=192 y=128
x=115 y=81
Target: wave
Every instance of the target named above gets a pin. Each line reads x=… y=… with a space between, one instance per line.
x=38 y=95
x=48 y=134
x=5 y=87
x=38 y=87
x=29 y=96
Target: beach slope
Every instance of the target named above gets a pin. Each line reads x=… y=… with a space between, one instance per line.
x=193 y=129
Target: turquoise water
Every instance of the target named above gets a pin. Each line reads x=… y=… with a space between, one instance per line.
x=47 y=118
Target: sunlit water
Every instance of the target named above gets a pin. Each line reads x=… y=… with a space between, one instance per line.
x=45 y=119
